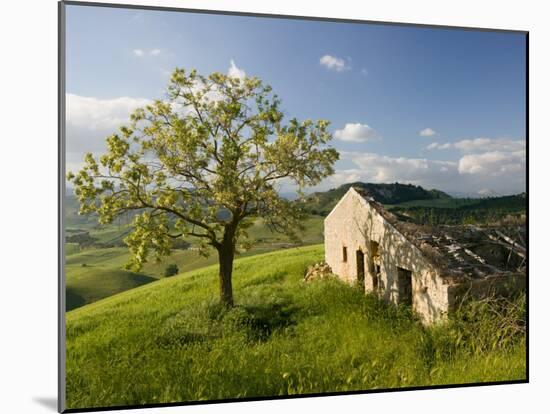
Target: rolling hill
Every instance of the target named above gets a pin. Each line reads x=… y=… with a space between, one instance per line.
x=465 y=211
x=93 y=284
x=323 y=202
x=97 y=271
x=95 y=255
x=170 y=341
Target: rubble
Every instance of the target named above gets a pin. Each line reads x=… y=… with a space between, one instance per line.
x=464 y=251
x=317 y=271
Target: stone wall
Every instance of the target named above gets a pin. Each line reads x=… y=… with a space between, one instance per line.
x=354 y=224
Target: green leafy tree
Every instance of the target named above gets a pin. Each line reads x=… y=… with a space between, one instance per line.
x=171 y=270
x=202 y=163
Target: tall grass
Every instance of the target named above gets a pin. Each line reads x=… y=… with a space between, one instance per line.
x=170 y=341
x=481 y=326
x=489 y=332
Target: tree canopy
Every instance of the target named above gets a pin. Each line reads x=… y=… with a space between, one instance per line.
x=202 y=162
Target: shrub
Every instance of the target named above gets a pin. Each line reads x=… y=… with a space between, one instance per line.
x=491 y=323
x=171 y=270
x=478 y=327
x=181 y=244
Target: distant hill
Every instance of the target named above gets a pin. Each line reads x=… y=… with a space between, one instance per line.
x=409 y=201
x=511 y=209
x=323 y=202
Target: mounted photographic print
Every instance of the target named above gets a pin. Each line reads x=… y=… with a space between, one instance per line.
x=258 y=207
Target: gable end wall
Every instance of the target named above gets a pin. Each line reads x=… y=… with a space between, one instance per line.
x=354 y=223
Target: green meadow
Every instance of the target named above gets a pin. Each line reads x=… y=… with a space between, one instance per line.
x=169 y=341
x=94 y=273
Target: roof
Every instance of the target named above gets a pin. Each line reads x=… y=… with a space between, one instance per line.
x=463 y=251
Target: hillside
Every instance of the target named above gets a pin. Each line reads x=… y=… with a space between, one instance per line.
x=95 y=255
x=95 y=258
x=422 y=206
x=170 y=341
x=323 y=202
x=465 y=211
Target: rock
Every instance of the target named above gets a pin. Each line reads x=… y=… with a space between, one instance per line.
x=317 y=271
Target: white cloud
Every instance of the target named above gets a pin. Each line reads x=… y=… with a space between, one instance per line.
x=495 y=166
x=213 y=94
x=435 y=145
x=478 y=174
x=90 y=120
x=96 y=113
x=488 y=144
x=494 y=163
x=143 y=52
x=334 y=63
x=382 y=168
x=486 y=192
x=427 y=132
x=235 y=72
x=356 y=132
x=468 y=146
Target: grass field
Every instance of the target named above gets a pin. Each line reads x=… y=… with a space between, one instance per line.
x=71 y=248
x=92 y=284
x=96 y=273
x=170 y=341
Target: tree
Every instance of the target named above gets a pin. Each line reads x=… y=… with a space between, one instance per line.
x=202 y=163
x=171 y=270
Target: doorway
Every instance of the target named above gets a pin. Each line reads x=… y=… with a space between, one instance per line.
x=404 y=284
x=374 y=266
x=360 y=259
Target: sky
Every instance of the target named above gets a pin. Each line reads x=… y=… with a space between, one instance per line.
x=440 y=108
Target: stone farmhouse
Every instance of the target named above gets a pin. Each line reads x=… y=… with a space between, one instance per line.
x=430 y=268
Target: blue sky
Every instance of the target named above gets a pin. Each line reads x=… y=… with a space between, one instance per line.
x=436 y=107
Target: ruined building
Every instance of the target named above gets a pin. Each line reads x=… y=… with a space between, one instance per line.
x=430 y=268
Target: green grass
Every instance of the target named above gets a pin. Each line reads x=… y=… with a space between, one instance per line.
x=110 y=234
x=95 y=273
x=92 y=284
x=71 y=248
x=313 y=233
x=170 y=341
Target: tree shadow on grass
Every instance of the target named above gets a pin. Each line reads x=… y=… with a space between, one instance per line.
x=73 y=300
x=211 y=321
x=260 y=321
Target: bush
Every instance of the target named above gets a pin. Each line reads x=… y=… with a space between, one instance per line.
x=171 y=270
x=478 y=327
x=491 y=323
x=181 y=244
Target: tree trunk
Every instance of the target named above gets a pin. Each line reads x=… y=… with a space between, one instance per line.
x=226 y=254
